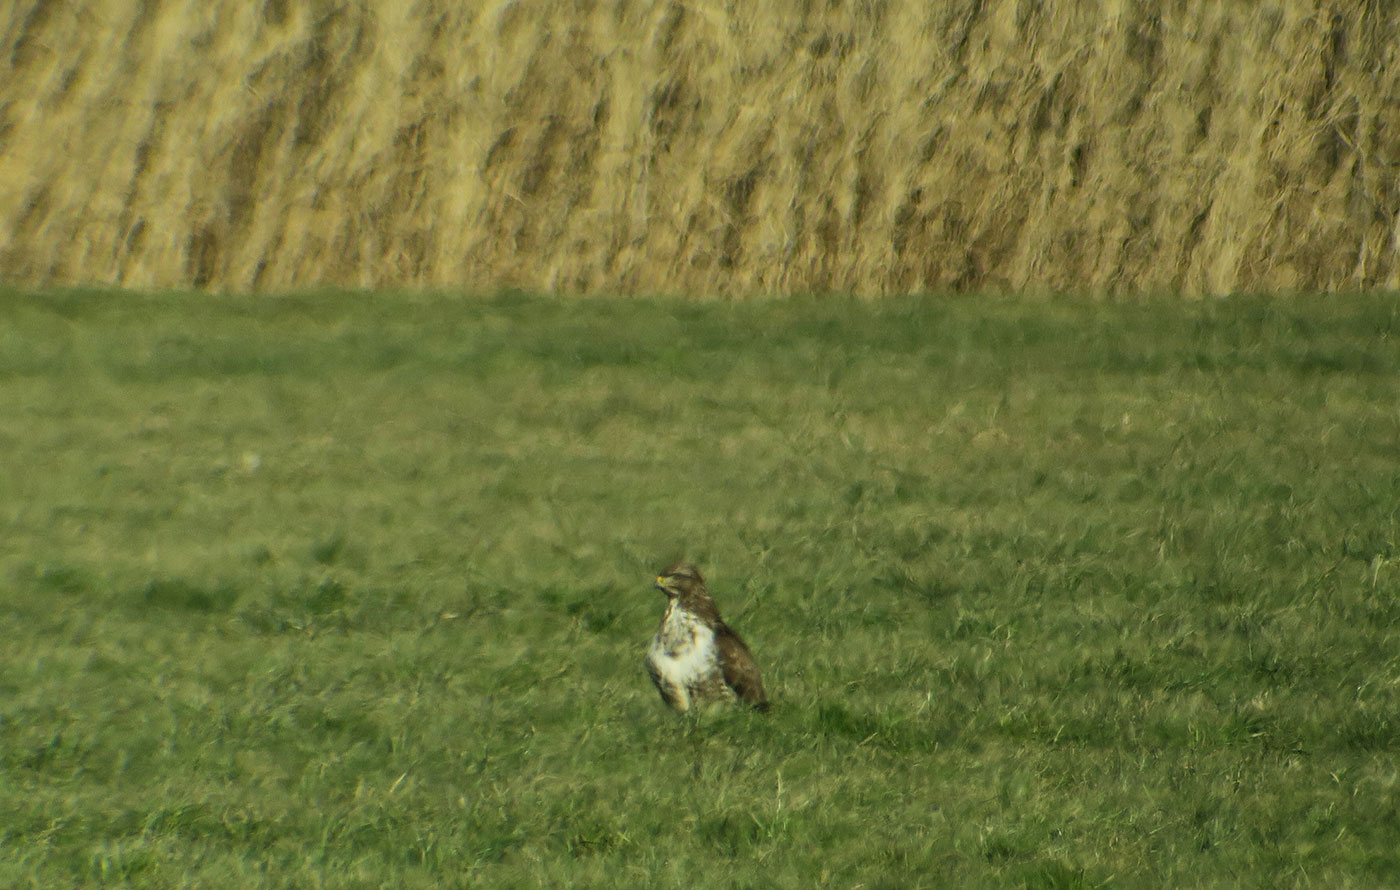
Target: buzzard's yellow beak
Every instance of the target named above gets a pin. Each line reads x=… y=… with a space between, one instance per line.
x=660 y=581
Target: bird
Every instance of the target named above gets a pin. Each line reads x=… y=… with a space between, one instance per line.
x=696 y=658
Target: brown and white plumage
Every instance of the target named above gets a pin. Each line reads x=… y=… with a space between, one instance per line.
x=695 y=657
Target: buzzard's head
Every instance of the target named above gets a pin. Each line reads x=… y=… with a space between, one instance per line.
x=683 y=586
x=679 y=580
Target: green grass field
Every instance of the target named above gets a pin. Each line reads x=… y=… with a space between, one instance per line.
x=351 y=591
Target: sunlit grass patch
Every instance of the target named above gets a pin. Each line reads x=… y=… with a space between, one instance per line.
x=1046 y=594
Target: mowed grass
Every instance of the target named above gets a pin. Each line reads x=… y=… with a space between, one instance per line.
x=351 y=591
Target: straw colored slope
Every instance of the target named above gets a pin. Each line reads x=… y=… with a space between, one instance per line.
x=701 y=148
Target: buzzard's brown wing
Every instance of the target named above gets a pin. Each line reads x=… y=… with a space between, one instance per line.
x=740 y=670
x=668 y=694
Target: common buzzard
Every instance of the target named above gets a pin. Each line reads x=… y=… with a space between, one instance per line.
x=695 y=657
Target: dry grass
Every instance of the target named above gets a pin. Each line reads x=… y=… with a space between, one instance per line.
x=700 y=148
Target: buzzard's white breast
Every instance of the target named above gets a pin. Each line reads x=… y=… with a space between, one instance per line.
x=683 y=656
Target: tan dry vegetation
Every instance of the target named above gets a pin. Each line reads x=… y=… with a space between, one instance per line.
x=701 y=147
